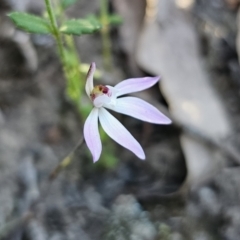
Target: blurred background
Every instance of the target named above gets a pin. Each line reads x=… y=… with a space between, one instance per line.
x=189 y=185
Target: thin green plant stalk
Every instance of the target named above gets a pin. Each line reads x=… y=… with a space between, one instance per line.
x=75 y=85
x=75 y=65
x=71 y=45
x=56 y=32
x=68 y=56
x=106 y=41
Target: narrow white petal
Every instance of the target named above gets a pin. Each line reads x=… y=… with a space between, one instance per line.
x=91 y=134
x=137 y=108
x=89 y=80
x=119 y=133
x=135 y=85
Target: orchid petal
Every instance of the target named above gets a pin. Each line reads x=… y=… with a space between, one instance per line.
x=135 y=85
x=89 y=80
x=137 y=108
x=119 y=133
x=91 y=134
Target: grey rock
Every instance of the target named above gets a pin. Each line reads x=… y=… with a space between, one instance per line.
x=128 y=221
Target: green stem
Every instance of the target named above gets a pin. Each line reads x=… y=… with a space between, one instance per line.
x=69 y=57
x=75 y=83
x=106 y=41
x=56 y=32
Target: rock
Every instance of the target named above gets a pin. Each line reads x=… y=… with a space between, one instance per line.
x=169 y=47
x=14 y=41
x=35 y=230
x=129 y=222
x=132 y=11
x=28 y=182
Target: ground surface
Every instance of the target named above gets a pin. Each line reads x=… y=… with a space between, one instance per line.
x=134 y=199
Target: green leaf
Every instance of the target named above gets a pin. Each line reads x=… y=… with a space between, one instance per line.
x=30 y=23
x=81 y=26
x=115 y=19
x=67 y=3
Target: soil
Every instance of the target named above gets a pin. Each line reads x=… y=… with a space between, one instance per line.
x=128 y=198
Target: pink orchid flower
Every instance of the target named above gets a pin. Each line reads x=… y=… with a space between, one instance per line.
x=107 y=97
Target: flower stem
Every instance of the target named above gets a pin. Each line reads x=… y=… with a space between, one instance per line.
x=65 y=162
x=56 y=32
x=68 y=56
x=106 y=41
